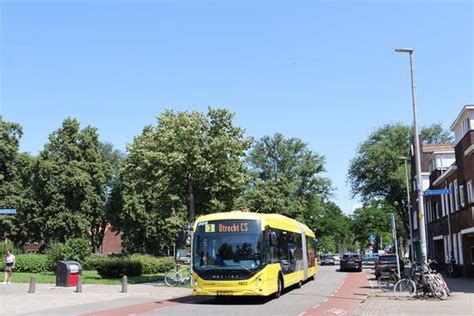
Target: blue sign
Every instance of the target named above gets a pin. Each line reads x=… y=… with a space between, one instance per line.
x=372 y=237
x=7 y=211
x=437 y=192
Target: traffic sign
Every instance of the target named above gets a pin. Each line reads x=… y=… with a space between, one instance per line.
x=7 y=211
x=436 y=192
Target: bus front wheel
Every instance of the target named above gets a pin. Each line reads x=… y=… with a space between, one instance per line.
x=279 y=288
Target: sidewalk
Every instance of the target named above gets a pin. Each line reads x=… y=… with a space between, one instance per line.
x=51 y=300
x=461 y=302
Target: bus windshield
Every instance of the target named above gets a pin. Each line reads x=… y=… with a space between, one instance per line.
x=228 y=244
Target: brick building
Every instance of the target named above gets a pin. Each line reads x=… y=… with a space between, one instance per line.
x=449 y=217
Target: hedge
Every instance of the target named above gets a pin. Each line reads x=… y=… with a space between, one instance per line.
x=152 y=265
x=33 y=263
x=116 y=268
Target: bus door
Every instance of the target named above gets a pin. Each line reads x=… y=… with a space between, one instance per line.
x=305 y=254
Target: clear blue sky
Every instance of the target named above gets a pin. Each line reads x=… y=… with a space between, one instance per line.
x=323 y=71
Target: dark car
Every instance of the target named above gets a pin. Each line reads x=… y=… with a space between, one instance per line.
x=387 y=263
x=351 y=261
x=327 y=259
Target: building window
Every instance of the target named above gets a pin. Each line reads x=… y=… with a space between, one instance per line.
x=461 y=255
x=446 y=249
x=472 y=255
x=456 y=195
x=436 y=211
x=469 y=192
x=451 y=198
x=455 y=245
x=461 y=195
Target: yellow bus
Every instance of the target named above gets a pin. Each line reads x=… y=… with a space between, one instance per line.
x=243 y=253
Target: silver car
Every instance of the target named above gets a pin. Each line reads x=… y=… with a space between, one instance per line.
x=327 y=259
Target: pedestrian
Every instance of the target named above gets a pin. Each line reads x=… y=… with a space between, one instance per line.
x=9 y=266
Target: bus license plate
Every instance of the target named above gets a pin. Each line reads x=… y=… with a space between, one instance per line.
x=224 y=293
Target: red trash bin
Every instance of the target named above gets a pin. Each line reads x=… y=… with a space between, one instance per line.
x=67 y=273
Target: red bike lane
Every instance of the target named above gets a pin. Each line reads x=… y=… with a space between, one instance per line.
x=352 y=291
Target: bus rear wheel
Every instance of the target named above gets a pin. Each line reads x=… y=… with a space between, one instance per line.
x=280 y=287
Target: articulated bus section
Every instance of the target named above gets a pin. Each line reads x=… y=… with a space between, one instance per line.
x=242 y=253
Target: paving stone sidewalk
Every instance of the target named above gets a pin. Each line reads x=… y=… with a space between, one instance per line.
x=461 y=302
x=51 y=300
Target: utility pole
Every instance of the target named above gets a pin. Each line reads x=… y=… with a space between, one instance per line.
x=419 y=183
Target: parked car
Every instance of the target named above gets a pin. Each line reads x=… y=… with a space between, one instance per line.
x=337 y=258
x=351 y=261
x=387 y=263
x=369 y=259
x=327 y=259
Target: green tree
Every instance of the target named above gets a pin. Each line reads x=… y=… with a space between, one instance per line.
x=373 y=218
x=377 y=172
x=70 y=184
x=189 y=164
x=15 y=184
x=436 y=134
x=286 y=178
x=330 y=221
x=327 y=244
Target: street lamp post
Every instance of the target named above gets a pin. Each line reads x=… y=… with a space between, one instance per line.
x=419 y=183
x=412 y=251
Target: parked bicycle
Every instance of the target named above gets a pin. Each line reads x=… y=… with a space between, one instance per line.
x=387 y=280
x=422 y=280
x=180 y=276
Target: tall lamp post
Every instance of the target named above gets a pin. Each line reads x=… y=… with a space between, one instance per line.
x=412 y=251
x=419 y=183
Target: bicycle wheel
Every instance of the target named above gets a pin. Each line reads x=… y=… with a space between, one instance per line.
x=439 y=278
x=387 y=282
x=184 y=277
x=172 y=278
x=437 y=289
x=404 y=289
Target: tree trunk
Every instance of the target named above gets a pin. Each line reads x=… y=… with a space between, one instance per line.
x=191 y=201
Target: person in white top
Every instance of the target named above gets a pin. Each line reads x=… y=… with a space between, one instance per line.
x=9 y=266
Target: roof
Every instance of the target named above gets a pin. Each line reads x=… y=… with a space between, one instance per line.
x=467 y=108
x=427 y=148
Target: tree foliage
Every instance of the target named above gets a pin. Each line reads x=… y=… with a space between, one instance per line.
x=286 y=178
x=70 y=184
x=436 y=134
x=377 y=172
x=373 y=218
x=330 y=221
x=15 y=183
x=189 y=164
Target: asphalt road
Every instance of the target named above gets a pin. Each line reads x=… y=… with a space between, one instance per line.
x=294 y=301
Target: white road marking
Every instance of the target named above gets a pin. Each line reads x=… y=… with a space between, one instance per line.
x=301 y=314
x=326 y=300
x=315 y=306
x=337 y=311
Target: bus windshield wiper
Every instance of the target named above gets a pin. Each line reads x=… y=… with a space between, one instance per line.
x=248 y=270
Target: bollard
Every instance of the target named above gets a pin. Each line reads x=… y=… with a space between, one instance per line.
x=124 y=284
x=32 y=285
x=79 y=284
